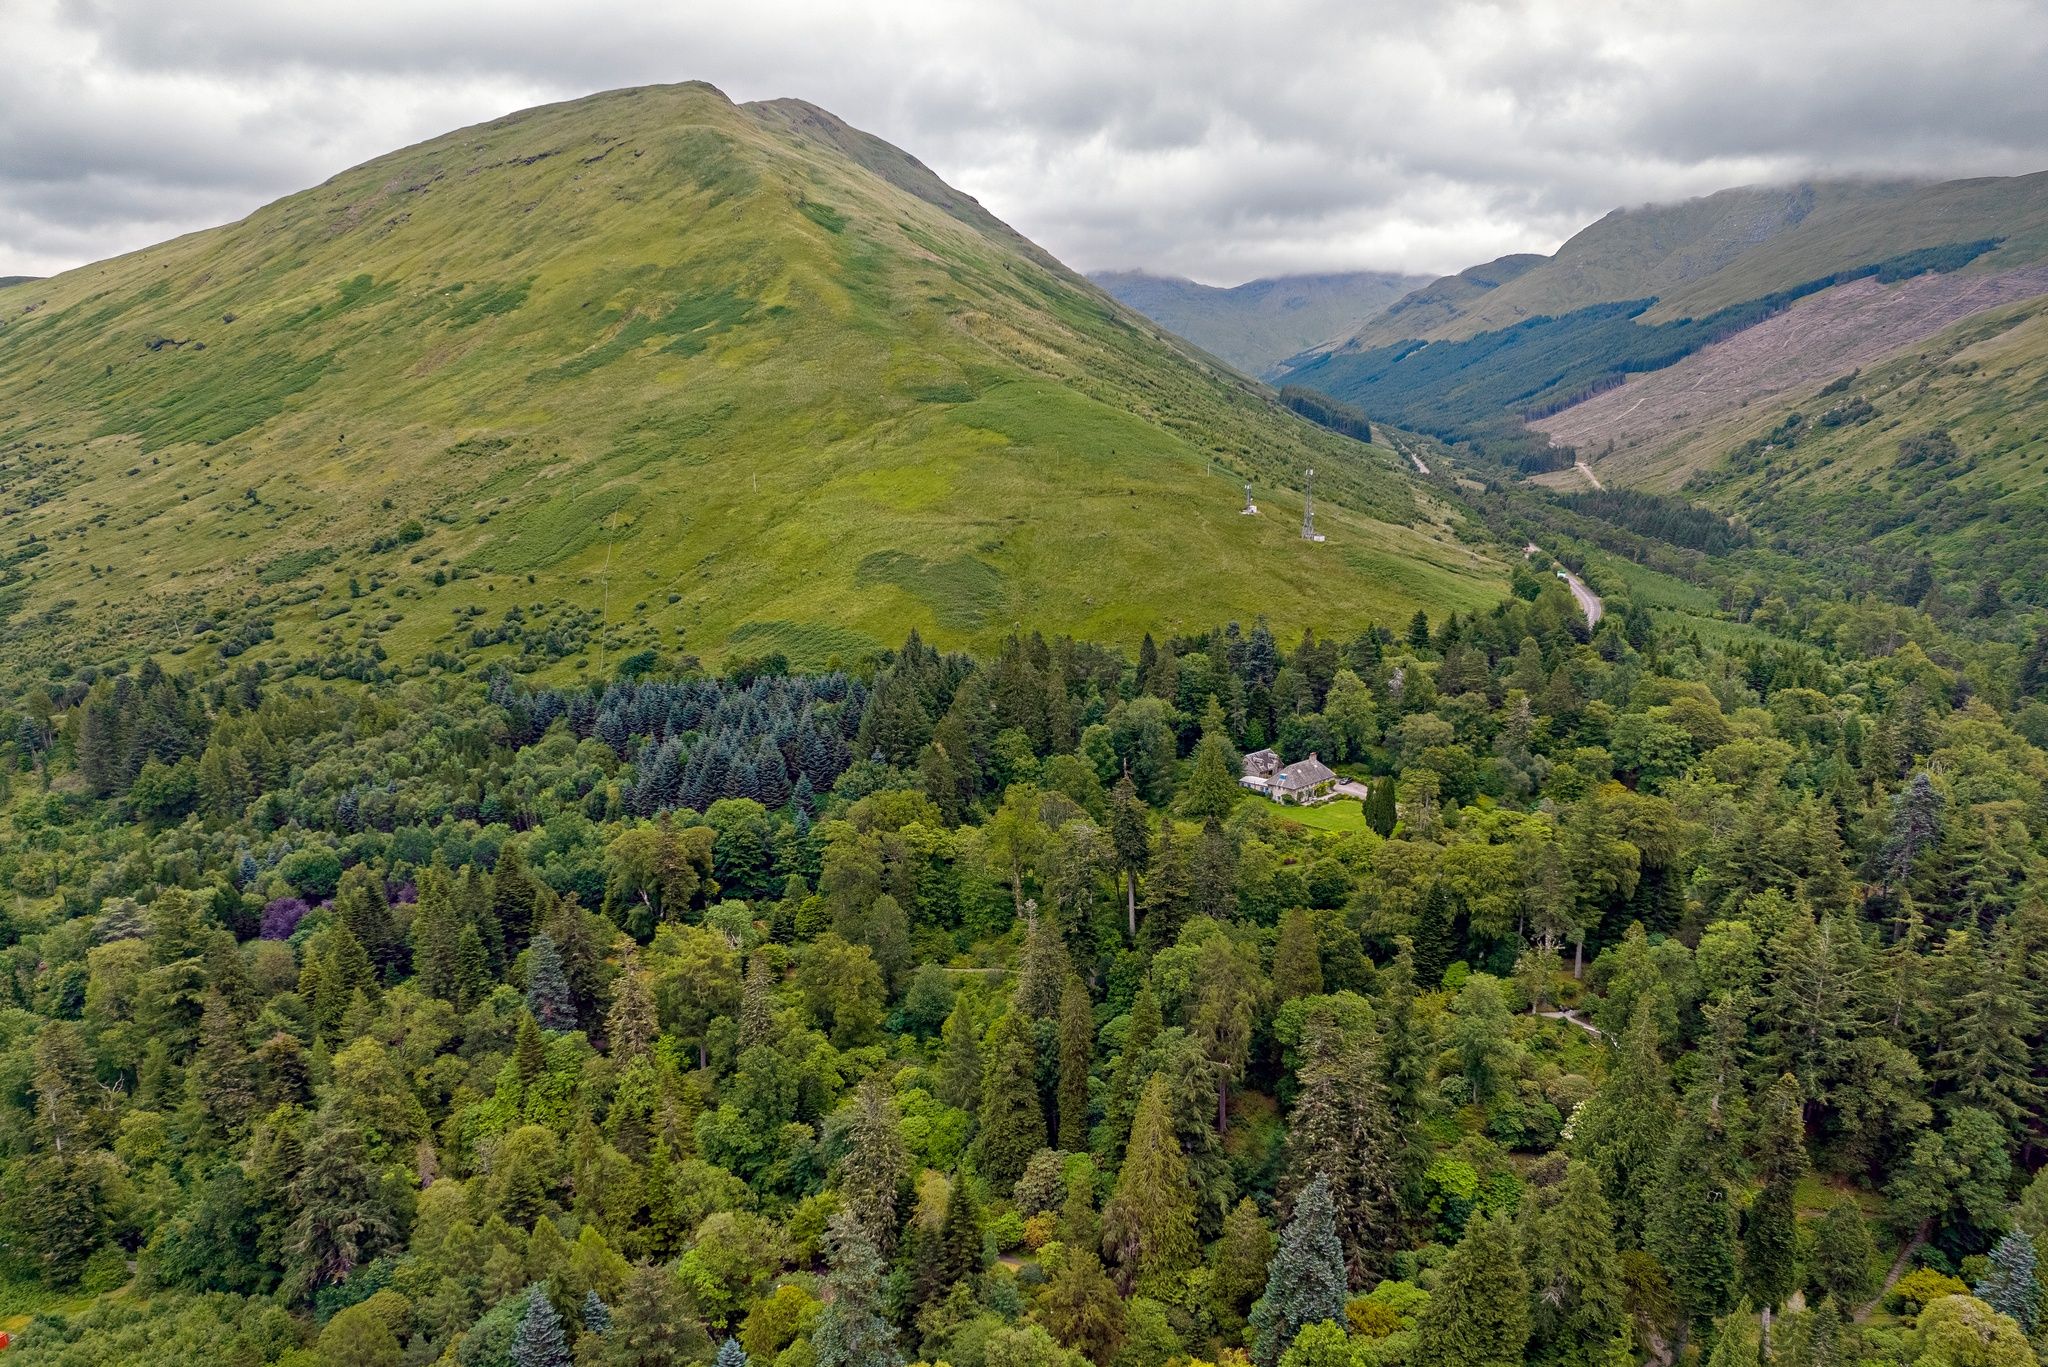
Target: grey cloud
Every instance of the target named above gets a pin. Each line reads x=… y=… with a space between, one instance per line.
x=1220 y=140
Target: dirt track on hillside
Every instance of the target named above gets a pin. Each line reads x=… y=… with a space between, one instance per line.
x=1817 y=339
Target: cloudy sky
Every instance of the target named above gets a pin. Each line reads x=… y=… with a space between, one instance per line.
x=1221 y=141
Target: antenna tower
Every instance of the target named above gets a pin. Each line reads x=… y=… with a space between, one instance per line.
x=1308 y=507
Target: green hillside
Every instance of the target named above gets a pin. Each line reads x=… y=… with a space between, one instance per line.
x=1721 y=250
x=644 y=370
x=1260 y=323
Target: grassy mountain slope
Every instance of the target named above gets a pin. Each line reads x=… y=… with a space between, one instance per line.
x=643 y=367
x=1260 y=323
x=1722 y=249
x=1856 y=462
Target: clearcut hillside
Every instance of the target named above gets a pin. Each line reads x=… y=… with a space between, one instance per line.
x=650 y=370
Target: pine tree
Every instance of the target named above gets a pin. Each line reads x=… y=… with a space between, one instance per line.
x=2011 y=1286
x=851 y=1331
x=1011 y=1119
x=547 y=986
x=539 y=1341
x=1305 y=1282
x=1297 y=960
x=1478 y=1316
x=1077 y=1060
x=876 y=1163
x=221 y=1079
x=1342 y=1134
x=1148 y=1227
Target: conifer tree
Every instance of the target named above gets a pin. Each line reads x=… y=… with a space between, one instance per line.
x=1305 y=1282
x=221 y=1079
x=1238 y=1270
x=1130 y=834
x=1567 y=1243
x=1081 y=1306
x=631 y=1026
x=1770 y=1229
x=1297 y=960
x=1212 y=787
x=1012 y=1122
x=960 y=1066
x=360 y=904
x=1436 y=943
x=1478 y=1316
x=876 y=1163
x=649 y=1324
x=961 y=1243
x=757 y=1004
x=547 y=987
x=2012 y=1286
x=1043 y=967
x=539 y=1341
x=1841 y=1258
x=1077 y=1060
x=1342 y=1134
x=1148 y=1227
x=1624 y=1127
x=851 y=1331
x=596 y=1315
x=1689 y=1226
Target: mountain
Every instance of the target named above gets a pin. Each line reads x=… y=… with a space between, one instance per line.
x=1810 y=276
x=651 y=370
x=1260 y=323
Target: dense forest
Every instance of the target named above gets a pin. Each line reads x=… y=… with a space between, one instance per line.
x=1659 y=1000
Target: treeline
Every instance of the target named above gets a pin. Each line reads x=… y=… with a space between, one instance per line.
x=1327 y=412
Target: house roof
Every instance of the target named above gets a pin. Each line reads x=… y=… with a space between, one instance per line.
x=1305 y=774
x=1262 y=763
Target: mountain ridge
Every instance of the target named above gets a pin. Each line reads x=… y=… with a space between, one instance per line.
x=1262 y=322
x=803 y=406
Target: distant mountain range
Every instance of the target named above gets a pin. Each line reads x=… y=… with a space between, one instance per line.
x=1256 y=325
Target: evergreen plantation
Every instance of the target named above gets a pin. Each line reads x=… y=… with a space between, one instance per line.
x=1663 y=1000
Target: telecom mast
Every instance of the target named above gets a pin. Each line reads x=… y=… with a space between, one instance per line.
x=1308 y=507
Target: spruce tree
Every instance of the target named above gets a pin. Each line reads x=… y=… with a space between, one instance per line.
x=1478 y=1316
x=650 y=1323
x=1239 y=1265
x=851 y=1331
x=1011 y=1119
x=2011 y=1286
x=757 y=1004
x=1077 y=1060
x=539 y=1340
x=1212 y=787
x=1436 y=942
x=961 y=1243
x=730 y=1354
x=631 y=1026
x=1148 y=1227
x=1305 y=1282
x=596 y=1315
x=547 y=986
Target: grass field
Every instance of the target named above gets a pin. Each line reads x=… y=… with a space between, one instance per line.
x=655 y=370
x=1344 y=814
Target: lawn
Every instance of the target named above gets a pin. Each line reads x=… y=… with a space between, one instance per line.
x=1340 y=814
